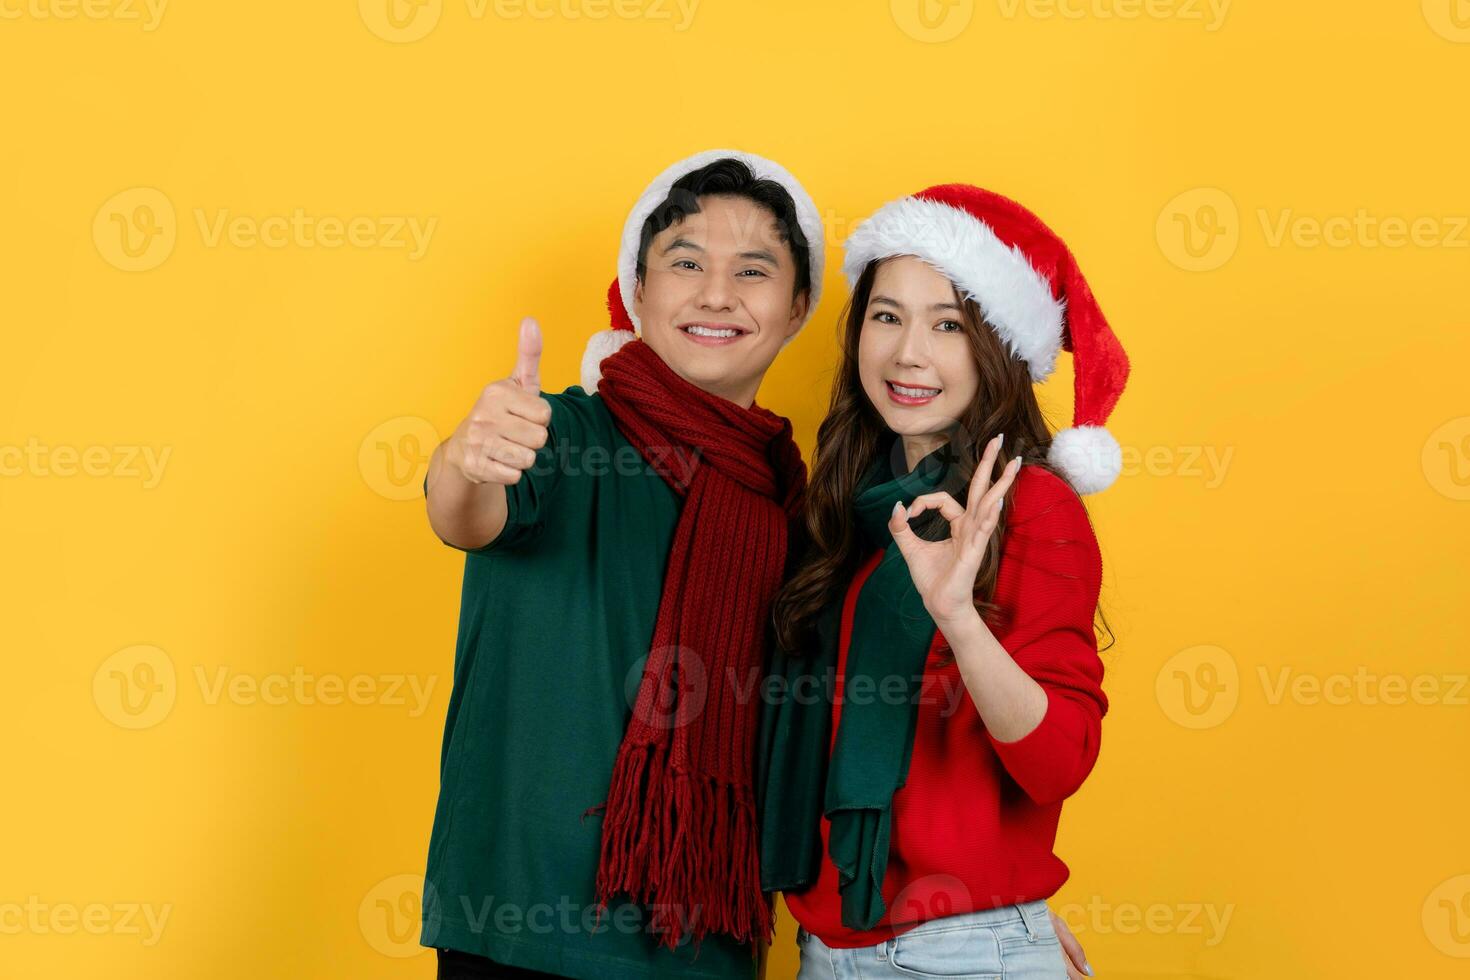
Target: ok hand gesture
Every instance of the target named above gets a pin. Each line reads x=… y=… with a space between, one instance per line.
x=944 y=571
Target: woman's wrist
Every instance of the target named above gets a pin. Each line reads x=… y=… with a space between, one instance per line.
x=963 y=628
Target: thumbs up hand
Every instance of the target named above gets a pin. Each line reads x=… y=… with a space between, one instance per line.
x=498 y=440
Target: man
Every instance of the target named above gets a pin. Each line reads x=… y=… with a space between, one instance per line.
x=585 y=594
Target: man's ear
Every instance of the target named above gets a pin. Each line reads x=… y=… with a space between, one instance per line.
x=798 y=312
x=637 y=309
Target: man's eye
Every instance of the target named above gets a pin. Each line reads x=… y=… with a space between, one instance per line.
x=753 y=272
x=686 y=264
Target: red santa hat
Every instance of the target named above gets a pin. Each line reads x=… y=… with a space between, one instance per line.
x=620 y=296
x=1026 y=282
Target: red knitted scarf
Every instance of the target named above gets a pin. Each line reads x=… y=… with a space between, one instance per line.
x=679 y=829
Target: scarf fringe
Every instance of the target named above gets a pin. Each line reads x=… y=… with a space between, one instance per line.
x=667 y=856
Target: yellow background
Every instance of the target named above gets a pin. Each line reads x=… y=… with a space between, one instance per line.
x=296 y=389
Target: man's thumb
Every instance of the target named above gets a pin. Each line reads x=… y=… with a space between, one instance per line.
x=528 y=356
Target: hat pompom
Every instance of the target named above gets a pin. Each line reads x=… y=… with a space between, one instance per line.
x=1088 y=456
x=602 y=344
x=605 y=343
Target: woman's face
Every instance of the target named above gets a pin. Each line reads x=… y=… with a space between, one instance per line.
x=716 y=301
x=914 y=358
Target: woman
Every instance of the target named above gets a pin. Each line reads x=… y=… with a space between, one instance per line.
x=909 y=810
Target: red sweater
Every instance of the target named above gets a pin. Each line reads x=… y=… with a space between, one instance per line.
x=974 y=825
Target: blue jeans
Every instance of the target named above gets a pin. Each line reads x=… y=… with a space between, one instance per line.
x=1014 y=942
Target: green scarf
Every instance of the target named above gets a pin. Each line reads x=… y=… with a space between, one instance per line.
x=798 y=783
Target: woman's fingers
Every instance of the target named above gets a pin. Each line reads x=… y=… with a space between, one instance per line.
x=980 y=481
x=1076 y=959
x=939 y=500
x=990 y=502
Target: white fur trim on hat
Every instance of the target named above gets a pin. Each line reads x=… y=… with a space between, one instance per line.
x=806 y=216
x=1088 y=456
x=602 y=344
x=1015 y=298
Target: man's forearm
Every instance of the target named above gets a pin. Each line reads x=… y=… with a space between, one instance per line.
x=463 y=514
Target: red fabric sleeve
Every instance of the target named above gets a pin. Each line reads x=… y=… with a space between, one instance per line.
x=1047 y=588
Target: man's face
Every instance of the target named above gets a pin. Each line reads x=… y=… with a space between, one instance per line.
x=716 y=298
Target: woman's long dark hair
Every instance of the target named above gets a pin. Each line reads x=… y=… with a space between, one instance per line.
x=852 y=436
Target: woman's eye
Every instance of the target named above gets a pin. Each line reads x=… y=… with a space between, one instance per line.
x=885 y=317
x=949 y=326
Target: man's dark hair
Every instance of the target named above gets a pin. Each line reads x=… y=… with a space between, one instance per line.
x=729 y=177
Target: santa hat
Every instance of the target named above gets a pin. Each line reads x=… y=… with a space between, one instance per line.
x=620 y=296
x=1026 y=282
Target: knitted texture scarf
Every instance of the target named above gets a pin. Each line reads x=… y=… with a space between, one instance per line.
x=869 y=758
x=679 y=826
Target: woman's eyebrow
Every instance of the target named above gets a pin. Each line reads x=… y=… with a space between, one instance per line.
x=888 y=301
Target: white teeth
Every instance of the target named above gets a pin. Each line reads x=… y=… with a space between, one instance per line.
x=915 y=392
x=699 y=331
